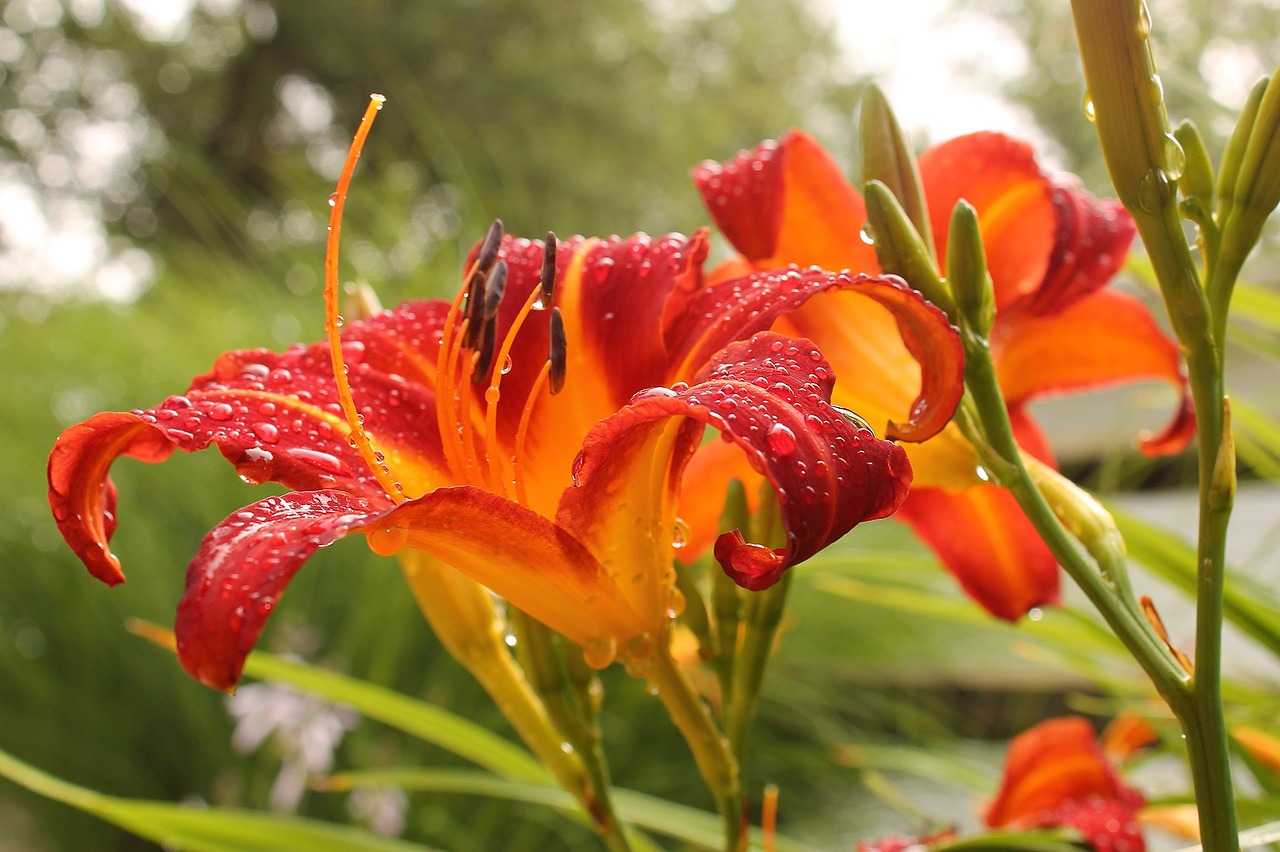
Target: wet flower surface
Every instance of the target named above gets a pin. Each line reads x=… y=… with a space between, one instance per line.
x=1051 y=249
x=537 y=448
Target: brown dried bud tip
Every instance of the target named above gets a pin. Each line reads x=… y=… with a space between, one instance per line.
x=548 y=291
x=558 y=352
x=493 y=290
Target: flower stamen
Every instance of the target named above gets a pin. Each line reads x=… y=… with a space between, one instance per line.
x=333 y=321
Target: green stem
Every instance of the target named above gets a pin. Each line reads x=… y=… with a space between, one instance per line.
x=572 y=711
x=710 y=750
x=763 y=618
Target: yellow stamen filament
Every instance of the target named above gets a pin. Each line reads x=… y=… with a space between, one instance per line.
x=523 y=431
x=333 y=321
x=495 y=381
x=446 y=386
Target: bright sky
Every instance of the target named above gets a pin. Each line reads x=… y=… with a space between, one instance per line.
x=924 y=61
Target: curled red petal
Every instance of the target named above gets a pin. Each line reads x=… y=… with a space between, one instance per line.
x=243 y=566
x=80 y=491
x=732 y=310
x=770 y=396
x=745 y=196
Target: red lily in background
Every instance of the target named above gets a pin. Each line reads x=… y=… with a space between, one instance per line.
x=1056 y=775
x=538 y=450
x=1051 y=249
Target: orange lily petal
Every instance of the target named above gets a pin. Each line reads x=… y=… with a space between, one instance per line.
x=1102 y=339
x=986 y=542
x=536 y=565
x=788 y=202
x=703 y=488
x=1055 y=774
x=1089 y=247
x=999 y=176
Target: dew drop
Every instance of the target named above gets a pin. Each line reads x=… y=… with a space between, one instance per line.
x=387 y=541
x=640 y=646
x=579 y=460
x=675 y=603
x=1175 y=159
x=599 y=653
x=1153 y=191
x=266 y=432
x=221 y=411
x=981 y=473
x=781 y=439
x=867 y=234
x=1089 y=111
x=506 y=365
x=492 y=394
x=333 y=200
x=680 y=534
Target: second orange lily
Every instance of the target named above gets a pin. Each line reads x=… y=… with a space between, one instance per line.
x=1051 y=250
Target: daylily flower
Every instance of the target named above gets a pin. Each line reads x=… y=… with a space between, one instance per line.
x=1056 y=775
x=537 y=449
x=1051 y=248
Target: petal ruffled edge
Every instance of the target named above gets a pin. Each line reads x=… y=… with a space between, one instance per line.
x=770 y=396
x=736 y=308
x=243 y=566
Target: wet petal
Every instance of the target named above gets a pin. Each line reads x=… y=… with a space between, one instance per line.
x=243 y=566
x=788 y=202
x=986 y=542
x=999 y=176
x=1103 y=339
x=770 y=397
x=525 y=558
x=732 y=310
x=80 y=492
x=1089 y=246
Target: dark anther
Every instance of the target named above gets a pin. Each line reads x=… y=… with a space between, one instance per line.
x=474 y=307
x=484 y=355
x=548 y=271
x=489 y=248
x=493 y=290
x=558 y=352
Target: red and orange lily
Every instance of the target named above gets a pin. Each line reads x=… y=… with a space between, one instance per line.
x=1051 y=249
x=1057 y=775
x=533 y=434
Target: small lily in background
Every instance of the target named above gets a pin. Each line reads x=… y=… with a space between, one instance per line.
x=1051 y=249
x=1057 y=775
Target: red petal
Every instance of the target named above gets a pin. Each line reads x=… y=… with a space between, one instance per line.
x=1089 y=247
x=788 y=202
x=984 y=539
x=1103 y=339
x=1000 y=178
x=527 y=559
x=242 y=568
x=80 y=492
x=1107 y=826
x=731 y=310
x=770 y=396
x=1051 y=765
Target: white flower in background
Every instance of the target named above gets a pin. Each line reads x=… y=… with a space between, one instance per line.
x=307 y=731
x=381 y=809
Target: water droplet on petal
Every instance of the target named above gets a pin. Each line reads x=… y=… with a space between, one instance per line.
x=386 y=542
x=221 y=411
x=600 y=652
x=781 y=439
x=680 y=534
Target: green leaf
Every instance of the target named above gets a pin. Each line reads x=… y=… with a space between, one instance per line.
x=1247 y=604
x=200 y=828
x=416 y=718
x=697 y=828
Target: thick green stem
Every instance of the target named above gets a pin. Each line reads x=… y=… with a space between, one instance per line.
x=710 y=750
x=763 y=618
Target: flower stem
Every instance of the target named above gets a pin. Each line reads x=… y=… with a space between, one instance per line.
x=710 y=750
x=1114 y=39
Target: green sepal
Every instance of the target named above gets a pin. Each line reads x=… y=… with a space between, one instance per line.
x=1196 y=182
x=887 y=157
x=900 y=247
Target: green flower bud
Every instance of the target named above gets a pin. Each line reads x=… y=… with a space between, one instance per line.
x=901 y=249
x=967 y=271
x=887 y=157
